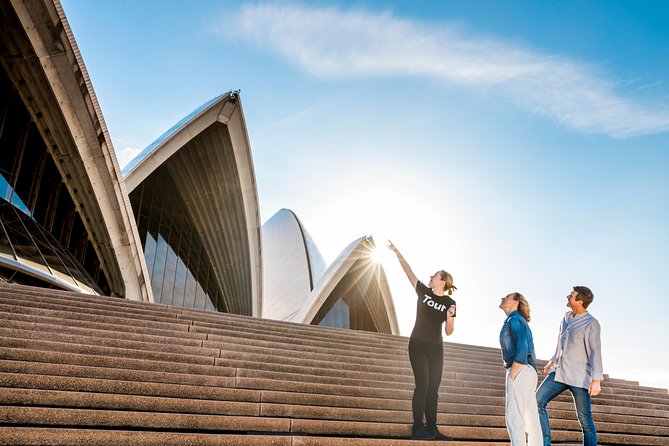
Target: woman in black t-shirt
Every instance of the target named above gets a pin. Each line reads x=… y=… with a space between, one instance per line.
x=426 y=347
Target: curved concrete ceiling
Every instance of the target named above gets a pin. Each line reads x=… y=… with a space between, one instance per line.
x=355 y=260
x=208 y=156
x=41 y=57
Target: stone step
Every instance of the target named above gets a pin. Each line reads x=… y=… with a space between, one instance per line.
x=403 y=374
x=96 y=437
x=112 y=305
x=661 y=391
x=89 y=302
x=400 y=371
x=124 y=344
x=211 y=352
x=119 y=322
x=356 y=391
x=315 y=365
x=167 y=316
x=306 y=344
x=49 y=305
x=298 y=374
x=50 y=325
x=104 y=381
x=42 y=416
x=200 y=355
x=92 y=370
x=46 y=332
x=99 y=385
x=20 y=374
x=17 y=361
x=88 y=349
x=111 y=328
x=175 y=325
x=651 y=390
x=13 y=289
x=51 y=361
x=82 y=400
x=98 y=379
x=70 y=418
x=115 y=401
x=468 y=404
x=344 y=386
x=52 y=294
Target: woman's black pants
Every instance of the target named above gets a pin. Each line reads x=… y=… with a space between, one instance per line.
x=427 y=362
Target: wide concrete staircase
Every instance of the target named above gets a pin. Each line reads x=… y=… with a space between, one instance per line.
x=82 y=370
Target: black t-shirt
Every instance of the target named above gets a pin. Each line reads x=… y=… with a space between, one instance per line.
x=431 y=312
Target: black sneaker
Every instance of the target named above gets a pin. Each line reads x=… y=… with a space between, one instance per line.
x=438 y=435
x=420 y=433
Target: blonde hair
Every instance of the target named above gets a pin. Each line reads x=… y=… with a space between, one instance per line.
x=446 y=277
x=523 y=305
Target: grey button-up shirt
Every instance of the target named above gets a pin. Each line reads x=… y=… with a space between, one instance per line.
x=578 y=355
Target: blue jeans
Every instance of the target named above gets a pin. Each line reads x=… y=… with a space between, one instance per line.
x=548 y=390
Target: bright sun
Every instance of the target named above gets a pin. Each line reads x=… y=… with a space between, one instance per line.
x=381 y=252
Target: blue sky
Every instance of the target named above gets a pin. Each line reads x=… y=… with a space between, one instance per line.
x=520 y=145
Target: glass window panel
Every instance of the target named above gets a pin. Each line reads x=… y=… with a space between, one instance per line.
x=345 y=315
x=170 y=273
x=190 y=291
x=36 y=248
x=337 y=316
x=5 y=245
x=30 y=181
x=208 y=305
x=328 y=319
x=5 y=188
x=179 y=283
x=214 y=296
x=150 y=252
x=159 y=269
x=178 y=268
x=21 y=241
x=33 y=148
x=201 y=298
x=49 y=252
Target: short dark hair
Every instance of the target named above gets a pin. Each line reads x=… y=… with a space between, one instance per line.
x=584 y=295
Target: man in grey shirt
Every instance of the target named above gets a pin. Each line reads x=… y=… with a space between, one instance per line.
x=576 y=365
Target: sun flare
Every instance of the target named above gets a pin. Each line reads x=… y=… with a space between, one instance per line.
x=381 y=253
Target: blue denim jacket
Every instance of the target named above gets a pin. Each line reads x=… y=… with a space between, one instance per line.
x=516 y=341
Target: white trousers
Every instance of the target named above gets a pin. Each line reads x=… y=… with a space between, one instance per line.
x=521 y=408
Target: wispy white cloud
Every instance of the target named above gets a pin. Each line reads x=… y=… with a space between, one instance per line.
x=334 y=43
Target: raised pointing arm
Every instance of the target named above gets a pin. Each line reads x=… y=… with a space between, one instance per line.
x=403 y=263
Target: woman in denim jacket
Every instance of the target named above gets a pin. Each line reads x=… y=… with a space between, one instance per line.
x=521 y=375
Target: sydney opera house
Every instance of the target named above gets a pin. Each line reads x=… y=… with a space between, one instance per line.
x=65 y=217
x=179 y=225
x=131 y=300
x=352 y=293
